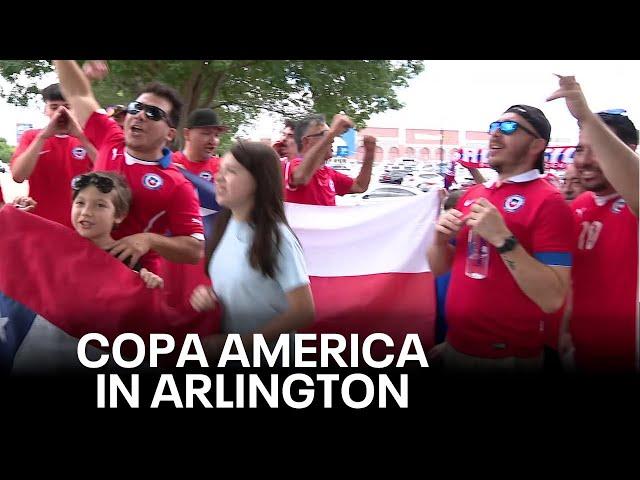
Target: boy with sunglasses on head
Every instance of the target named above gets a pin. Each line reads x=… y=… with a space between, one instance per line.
x=498 y=322
x=164 y=201
x=605 y=275
x=101 y=201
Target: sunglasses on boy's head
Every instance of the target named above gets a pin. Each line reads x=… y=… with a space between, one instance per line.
x=104 y=184
x=152 y=112
x=509 y=127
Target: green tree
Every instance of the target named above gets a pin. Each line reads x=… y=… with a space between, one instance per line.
x=240 y=89
x=5 y=151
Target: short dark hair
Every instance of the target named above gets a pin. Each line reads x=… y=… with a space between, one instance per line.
x=169 y=94
x=122 y=192
x=303 y=125
x=622 y=126
x=52 y=93
x=290 y=123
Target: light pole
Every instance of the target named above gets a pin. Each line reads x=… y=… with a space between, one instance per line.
x=441 y=151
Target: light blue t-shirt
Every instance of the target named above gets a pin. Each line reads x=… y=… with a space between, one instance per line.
x=249 y=298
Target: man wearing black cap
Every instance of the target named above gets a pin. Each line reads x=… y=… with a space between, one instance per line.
x=201 y=136
x=498 y=322
x=605 y=275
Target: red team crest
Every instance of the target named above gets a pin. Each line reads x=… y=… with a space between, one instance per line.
x=152 y=181
x=79 y=153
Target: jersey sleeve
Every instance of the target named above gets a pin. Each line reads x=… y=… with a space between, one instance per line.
x=554 y=232
x=103 y=131
x=184 y=215
x=26 y=139
x=342 y=182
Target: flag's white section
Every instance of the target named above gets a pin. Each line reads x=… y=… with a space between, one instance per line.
x=366 y=239
x=47 y=349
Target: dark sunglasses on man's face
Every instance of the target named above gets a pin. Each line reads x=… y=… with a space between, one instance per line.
x=509 y=127
x=104 y=184
x=151 y=112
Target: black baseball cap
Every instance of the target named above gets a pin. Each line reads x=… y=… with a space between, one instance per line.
x=204 y=117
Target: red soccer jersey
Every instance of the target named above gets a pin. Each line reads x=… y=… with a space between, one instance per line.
x=322 y=189
x=206 y=169
x=61 y=158
x=605 y=282
x=492 y=317
x=164 y=201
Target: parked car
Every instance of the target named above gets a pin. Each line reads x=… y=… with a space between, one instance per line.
x=390 y=192
x=394 y=176
x=423 y=180
x=379 y=194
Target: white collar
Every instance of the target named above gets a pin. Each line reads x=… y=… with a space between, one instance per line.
x=61 y=136
x=528 y=176
x=163 y=163
x=602 y=200
x=129 y=160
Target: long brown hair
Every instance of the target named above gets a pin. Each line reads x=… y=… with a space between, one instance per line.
x=268 y=208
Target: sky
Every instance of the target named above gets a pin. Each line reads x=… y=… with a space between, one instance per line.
x=460 y=95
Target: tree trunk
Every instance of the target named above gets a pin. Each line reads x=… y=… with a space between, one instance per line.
x=190 y=94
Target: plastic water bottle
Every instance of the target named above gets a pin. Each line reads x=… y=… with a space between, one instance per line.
x=477 y=266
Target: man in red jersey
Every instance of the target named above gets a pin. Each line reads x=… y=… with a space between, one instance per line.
x=164 y=218
x=603 y=323
x=498 y=322
x=307 y=178
x=201 y=135
x=51 y=157
x=286 y=145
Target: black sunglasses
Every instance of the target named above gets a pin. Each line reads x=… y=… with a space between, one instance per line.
x=509 y=127
x=104 y=184
x=152 y=112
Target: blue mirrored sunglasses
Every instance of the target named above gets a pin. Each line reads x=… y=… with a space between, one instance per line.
x=509 y=127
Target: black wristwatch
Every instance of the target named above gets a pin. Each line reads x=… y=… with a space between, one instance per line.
x=508 y=245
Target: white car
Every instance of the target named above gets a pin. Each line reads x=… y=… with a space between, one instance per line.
x=423 y=181
x=380 y=193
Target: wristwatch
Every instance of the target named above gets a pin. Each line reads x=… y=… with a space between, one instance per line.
x=508 y=245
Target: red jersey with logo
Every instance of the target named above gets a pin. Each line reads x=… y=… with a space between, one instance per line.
x=61 y=158
x=322 y=189
x=206 y=169
x=605 y=284
x=164 y=201
x=492 y=317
